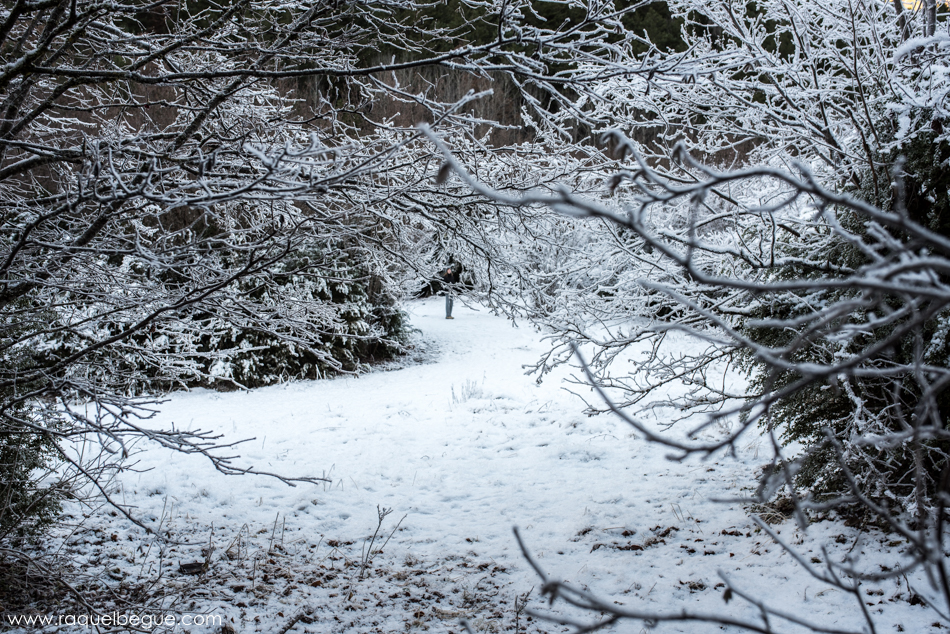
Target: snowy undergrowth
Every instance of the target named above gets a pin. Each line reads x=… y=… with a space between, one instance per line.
x=463 y=447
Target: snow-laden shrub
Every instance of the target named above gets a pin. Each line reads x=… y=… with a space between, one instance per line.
x=30 y=500
x=29 y=497
x=359 y=324
x=837 y=423
x=330 y=312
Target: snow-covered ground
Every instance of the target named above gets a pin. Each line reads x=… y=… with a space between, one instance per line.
x=462 y=446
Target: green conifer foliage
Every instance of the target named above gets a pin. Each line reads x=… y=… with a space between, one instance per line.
x=27 y=502
x=655 y=19
x=854 y=409
x=362 y=325
x=29 y=496
x=330 y=291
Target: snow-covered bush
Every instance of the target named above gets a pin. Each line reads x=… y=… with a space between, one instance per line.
x=30 y=494
x=351 y=312
x=881 y=396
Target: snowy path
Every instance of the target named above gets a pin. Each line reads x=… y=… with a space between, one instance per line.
x=465 y=446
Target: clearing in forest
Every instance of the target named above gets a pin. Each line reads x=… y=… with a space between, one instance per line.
x=461 y=446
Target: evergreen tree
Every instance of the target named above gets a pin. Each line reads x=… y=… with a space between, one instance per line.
x=829 y=420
